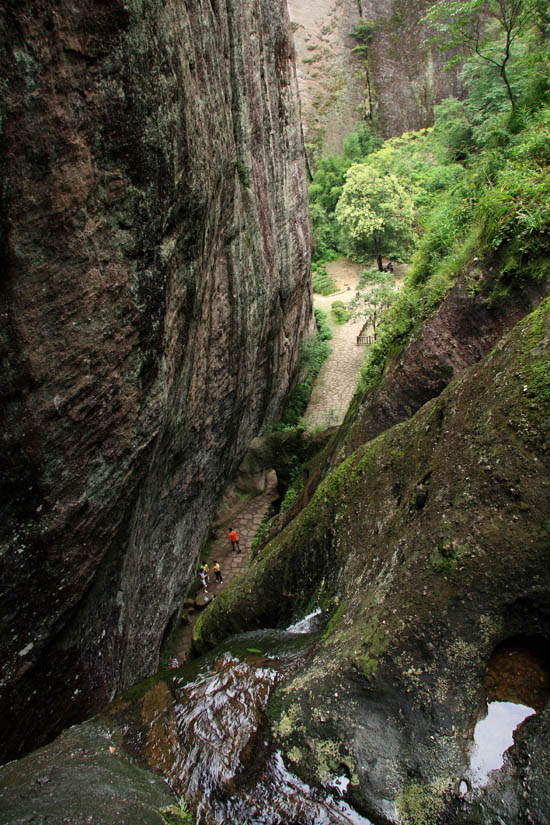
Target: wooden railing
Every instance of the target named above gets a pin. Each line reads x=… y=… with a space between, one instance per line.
x=363 y=338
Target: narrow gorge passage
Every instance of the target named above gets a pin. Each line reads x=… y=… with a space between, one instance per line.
x=332 y=393
x=175 y=177
x=232 y=564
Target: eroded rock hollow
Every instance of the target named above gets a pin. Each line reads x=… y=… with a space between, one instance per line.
x=154 y=243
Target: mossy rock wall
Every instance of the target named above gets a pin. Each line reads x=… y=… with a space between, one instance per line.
x=458 y=334
x=433 y=541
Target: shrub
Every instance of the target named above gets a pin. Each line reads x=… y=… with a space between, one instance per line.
x=290 y=497
x=263 y=528
x=340 y=313
x=324 y=332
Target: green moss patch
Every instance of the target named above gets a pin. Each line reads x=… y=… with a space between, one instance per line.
x=420 y=804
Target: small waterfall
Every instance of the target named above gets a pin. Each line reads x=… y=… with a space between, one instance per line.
x=307 y=624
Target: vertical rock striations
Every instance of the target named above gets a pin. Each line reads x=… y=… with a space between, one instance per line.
x=330 y=75
x=395 y=91
x=154 y=245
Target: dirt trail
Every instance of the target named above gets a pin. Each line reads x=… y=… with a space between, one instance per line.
x=336 y=382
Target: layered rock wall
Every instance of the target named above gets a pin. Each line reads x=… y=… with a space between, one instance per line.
x=154 y=244
x=330 y=76
x=395 y=93
x=456 y=336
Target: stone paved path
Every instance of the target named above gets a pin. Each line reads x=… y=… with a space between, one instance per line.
x=232 y=564
x=336 y=382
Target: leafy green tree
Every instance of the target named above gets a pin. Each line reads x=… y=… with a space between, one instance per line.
x=377 y=296
x=452 y=128
x=487 y=28
x=324 y=193
x=326 y=188
x=360 y=143
x=375 y=214
x=419 y=163
x=328 y=182
x=324 y=232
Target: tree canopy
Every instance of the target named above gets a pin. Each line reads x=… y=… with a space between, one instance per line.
x=487 y=28
x=375 y=214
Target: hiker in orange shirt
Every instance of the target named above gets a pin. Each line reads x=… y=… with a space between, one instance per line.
x=234 y=539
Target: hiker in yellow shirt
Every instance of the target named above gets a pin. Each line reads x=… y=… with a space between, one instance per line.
x=218 y=572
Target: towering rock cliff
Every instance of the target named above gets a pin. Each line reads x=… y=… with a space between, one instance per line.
x=395 y=91
x=330 y=76
x=154 y=245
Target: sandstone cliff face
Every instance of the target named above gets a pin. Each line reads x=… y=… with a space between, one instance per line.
x=408 y=72
x=155 y=287
x=404 y=74
x=329 y=74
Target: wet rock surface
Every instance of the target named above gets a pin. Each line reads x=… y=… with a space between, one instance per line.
x=204 y=733
x=154 y=294
x=81 y=778
x=371 y=720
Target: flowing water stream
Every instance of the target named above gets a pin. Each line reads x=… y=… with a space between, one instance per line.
x=227 y=766
x=205 y=729
x=218 y=753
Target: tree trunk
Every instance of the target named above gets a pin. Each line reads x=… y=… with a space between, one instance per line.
x=379 y=262
x=369 y=96
x=508 y=88
x=503 y=71
x=308 y=167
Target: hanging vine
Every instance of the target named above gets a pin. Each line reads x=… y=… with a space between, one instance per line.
x=364 y=32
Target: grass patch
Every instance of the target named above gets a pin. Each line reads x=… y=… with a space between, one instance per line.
x=177 y=814
x=323 y=283
x=263 y=529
